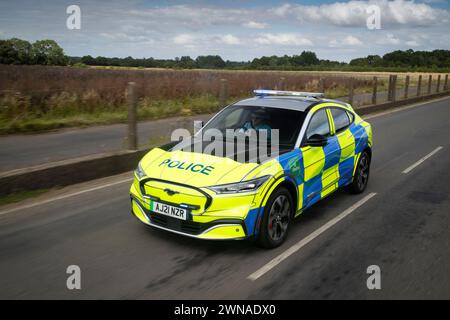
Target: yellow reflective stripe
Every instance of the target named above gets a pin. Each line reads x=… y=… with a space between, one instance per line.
x=313 y=162
x=356 y=162
x=329 y=180
x=347 y=144
x=331 y=122
x=300 y=195
x=269 y=192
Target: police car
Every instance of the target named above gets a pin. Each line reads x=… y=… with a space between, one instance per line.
x=323 y=145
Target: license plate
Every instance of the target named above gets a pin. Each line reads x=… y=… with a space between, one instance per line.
x=167 y=210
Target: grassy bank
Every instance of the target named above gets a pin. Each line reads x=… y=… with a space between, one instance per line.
x=40 y=98
x=20 y=196
x=69 y=113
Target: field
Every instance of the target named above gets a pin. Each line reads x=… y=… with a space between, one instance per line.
x=37 y=98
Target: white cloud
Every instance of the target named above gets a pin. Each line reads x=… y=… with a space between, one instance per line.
x=123 y=37
x=389 y=39
x=192 y=16
x=283 y=39
x=184 y=39
x=354 y=13
x=347 y=41
x=255 y=25
x=412 y=43
x=229 y=39
x=352 y=41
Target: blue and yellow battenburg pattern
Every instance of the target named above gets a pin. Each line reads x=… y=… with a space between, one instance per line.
x=314 y=171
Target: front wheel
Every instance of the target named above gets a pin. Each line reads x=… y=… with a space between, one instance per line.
x=361 y=177
x=276 y=219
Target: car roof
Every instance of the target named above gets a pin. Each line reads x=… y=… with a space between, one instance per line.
x=284 y=102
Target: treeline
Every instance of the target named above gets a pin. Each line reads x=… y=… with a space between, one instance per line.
x=48 y=52
x=408 y=58
x=202 y=62
x=306 y=58
x=44 y=52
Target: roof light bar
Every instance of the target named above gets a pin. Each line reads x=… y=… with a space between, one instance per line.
x=262 y=92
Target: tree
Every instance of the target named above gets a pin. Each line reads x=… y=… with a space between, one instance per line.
x=15 y=51
x=23 y=49
x=186 y=62
x=7 y=53
x=210 y=62
x=309 y=58
x=48 y=52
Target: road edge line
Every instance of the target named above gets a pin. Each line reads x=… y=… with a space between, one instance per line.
x=293 y=249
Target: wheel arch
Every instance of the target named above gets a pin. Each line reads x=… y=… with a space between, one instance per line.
x=288 y=183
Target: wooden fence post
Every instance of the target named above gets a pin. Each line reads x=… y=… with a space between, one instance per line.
x=132 y=117
x=430 y=79
x=374 y=93
x=446 y=83
x=394 y=88
x=438 y=83
x=419 y=86
x=321 y=85
x=223 y=93
x=281 y=83
x=389 y=93
x=350 y=91
x=406 y=87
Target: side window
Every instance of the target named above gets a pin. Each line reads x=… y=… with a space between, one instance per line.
x=341 y=119
x=318 y=124
x=232 y=119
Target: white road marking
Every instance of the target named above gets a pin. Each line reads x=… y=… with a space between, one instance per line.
x=397 y=109
x=31 y=205
x=277 y=260
x=410 y=168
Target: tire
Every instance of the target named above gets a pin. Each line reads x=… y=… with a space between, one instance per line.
x=361 y=177
x=277 y=216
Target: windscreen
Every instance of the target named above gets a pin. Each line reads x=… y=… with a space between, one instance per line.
x=236 y=117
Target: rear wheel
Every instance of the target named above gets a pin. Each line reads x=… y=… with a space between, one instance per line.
x=361 y=177
x=276 y=219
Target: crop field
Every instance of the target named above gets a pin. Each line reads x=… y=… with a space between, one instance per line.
x=36 y=98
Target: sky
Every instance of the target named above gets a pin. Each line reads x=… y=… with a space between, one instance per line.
x=235 y=30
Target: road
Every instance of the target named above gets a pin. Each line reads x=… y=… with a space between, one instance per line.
x=19 y=151
x=404 y=229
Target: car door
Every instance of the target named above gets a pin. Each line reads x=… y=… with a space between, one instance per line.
x=320 y=175
x=342 y=121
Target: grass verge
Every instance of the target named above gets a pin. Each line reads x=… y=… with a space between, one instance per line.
x=66 y=111
x=20 y=196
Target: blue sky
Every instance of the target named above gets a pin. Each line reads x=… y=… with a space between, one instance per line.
x=235 y=30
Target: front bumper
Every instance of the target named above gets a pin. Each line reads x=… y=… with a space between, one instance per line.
x=222 y=229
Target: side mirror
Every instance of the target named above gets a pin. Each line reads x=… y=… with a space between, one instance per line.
x=316 y=140
x=198 y=125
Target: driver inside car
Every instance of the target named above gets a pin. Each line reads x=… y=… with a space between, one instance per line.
x=259 y=121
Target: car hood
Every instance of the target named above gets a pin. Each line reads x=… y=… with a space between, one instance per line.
x=195 y=169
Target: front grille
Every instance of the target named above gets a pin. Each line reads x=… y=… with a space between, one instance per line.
x=196 y=199
x=184 y=226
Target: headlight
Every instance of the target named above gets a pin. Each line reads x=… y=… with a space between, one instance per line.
x=244 y=186
x=139 y=172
